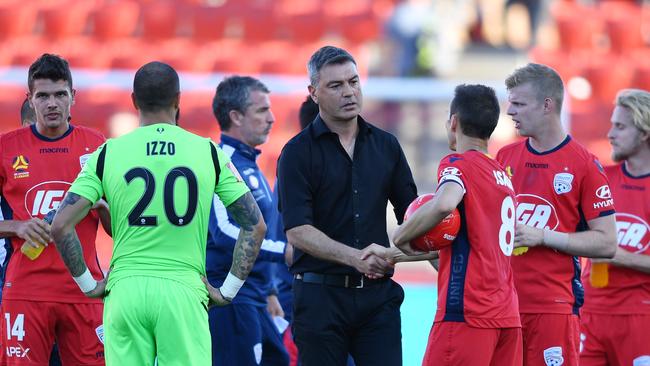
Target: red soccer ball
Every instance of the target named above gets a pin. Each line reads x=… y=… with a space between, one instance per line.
x=440 y=236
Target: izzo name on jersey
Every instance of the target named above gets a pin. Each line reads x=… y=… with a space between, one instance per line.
x=160 y=148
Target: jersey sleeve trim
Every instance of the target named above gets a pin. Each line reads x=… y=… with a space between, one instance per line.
x=606 y=213
x=451 y=178
x=99 y=170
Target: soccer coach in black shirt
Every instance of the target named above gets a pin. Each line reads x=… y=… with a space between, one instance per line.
x=335 y=179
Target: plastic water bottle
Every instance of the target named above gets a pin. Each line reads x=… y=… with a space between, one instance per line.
x=519 y=250
x=28 y=250
x=599 y=276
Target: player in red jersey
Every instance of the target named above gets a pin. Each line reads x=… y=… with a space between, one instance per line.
x=477 y=321
x=616 y=318
x=41 y=303
x=563 y=212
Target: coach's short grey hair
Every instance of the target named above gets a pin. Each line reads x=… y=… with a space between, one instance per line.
x=327 y=55
x=233 y=93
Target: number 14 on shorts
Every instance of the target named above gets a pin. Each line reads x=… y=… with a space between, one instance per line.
x=17 y=329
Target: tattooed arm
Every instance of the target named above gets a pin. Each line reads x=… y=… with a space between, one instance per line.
x=247 y=215
x=71 y=211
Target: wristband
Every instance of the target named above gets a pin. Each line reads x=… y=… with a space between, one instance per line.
x=556 y=240
x=86 y=282
x=230 y=287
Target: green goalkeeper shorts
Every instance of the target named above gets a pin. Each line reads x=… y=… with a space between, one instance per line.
x=148 y=317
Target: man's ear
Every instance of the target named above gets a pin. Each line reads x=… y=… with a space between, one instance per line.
x=235 y=117
x=453 y=123
x=135 y=104
x=312 y=93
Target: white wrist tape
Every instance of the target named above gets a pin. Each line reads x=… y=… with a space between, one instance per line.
x=556 y=240
x=231 y=286
x=86 y=282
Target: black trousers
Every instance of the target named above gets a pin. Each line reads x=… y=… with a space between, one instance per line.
x=329 y=322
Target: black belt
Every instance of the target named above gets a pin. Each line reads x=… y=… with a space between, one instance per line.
x=347 y=281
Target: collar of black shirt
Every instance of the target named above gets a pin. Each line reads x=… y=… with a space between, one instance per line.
x=319 y=128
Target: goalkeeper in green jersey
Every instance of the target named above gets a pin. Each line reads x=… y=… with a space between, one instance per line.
x=159 y=182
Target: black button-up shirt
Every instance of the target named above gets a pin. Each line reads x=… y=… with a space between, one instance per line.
x=344 y=198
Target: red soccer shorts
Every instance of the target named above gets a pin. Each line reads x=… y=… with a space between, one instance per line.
x=614 y=340
x=457 y=344
x=550 y=339
x=28 y=330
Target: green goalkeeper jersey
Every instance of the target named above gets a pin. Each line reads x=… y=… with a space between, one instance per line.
x=159 y=182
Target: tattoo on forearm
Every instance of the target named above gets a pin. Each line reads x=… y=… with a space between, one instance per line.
x=69 y=246
x=70 y=249
x=69 y=200
x=247 y=214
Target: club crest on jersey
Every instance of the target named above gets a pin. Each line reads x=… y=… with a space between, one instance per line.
x=641 y=361
x=20 y=164
x=253 y=181
x=100 y=333
x=83 y=159
x=562 y=183
x=553 y=356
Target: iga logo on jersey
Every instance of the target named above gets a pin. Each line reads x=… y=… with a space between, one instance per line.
x=632 y=232
x=562 y=183
x=44 y=197
x=537 y=212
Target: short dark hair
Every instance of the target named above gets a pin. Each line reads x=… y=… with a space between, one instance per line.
x=233 y=93
x=155 y=86
x=27 y=114
x=50 y=67
x=308 y=112
x=327 y=55
x=477 y=109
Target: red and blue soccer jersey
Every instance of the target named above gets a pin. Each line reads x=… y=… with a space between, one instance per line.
x=475 y=281
x=560 y=189
x=35 y=174
x=628 y=290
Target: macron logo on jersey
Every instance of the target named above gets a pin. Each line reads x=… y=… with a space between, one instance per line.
x=537 y=212
x=632 y=232
x=44 y=197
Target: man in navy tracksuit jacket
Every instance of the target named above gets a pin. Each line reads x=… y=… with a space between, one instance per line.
x=243 y=333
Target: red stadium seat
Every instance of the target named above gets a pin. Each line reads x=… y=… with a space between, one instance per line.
x=279 y=57
x=607 y=75
x=160 y=20
x=360 y=28
x=115 y=20
x=306 y=28
x=623 y=24
x=17 y=19
x=65 y=21
x=209 y=23
x=579 y=26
